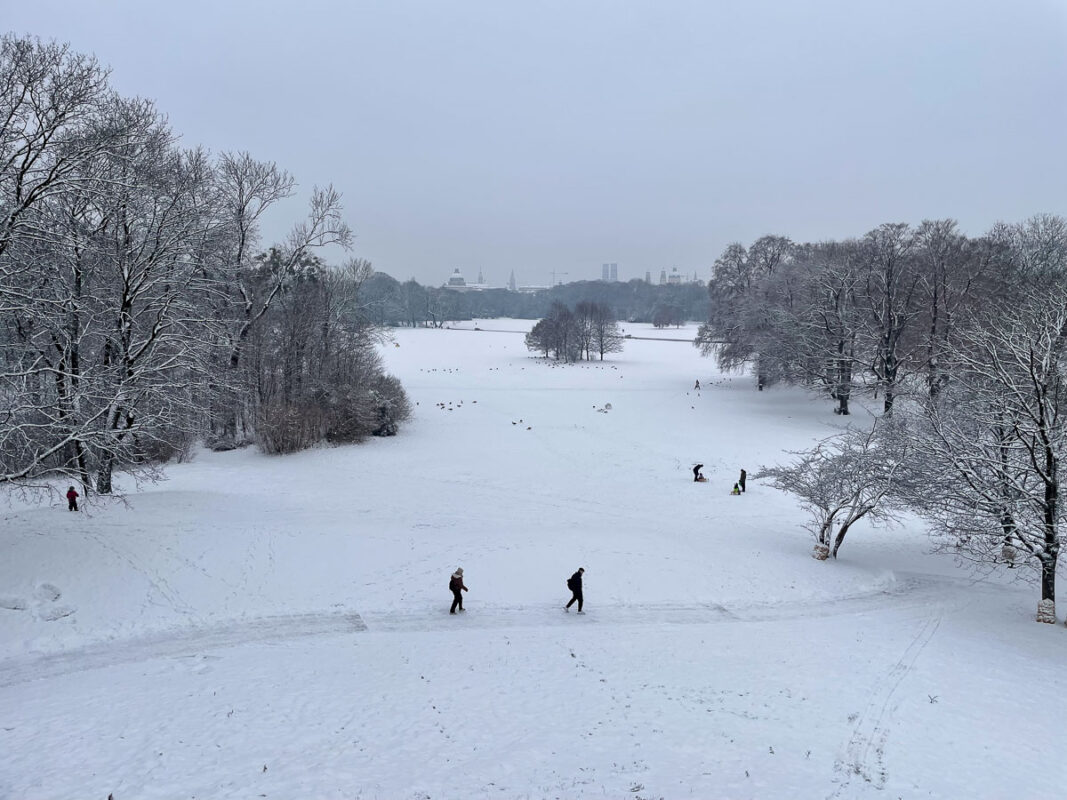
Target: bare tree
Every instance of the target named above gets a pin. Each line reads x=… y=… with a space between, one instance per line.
x=814 y=321
x=737 y=330
x=115 y=337
x=844 y=479
x=260 y=281
x=582 y=325
x=48 y=99
x=992 y=443
x=891 y=298
x=605 y=329
x=951 y=269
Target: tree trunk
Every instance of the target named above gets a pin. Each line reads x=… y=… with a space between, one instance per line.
x=840 y=538
x=1052 y=537
x=1047 y=606
x=822 y=543
x=103 y=474
x=82 y=463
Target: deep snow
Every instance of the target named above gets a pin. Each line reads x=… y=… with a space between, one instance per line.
x=278 y=627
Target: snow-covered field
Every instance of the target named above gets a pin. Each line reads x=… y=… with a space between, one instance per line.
x=279 y=627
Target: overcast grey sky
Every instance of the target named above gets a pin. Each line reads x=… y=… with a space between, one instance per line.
x=540 y=136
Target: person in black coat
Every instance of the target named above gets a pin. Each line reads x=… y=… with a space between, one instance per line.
x=455 y=585
x=696 y=472
x=574 y=583
x=741 y=482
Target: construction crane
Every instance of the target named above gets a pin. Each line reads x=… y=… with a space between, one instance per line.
x=554 y=274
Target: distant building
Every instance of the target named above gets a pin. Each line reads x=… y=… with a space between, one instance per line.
x=511 y=281
x=458 y=283
x=662 y=277
x=609 y=272
x=675 y=278
x=648 y=277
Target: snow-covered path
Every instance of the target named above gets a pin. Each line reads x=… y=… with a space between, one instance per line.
x=278 y=627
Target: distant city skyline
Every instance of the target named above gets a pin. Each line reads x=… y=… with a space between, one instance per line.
x=548 y=139
x=608 y=272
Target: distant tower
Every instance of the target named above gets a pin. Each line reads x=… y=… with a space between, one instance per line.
x=604 y=271
x=481 y=280
x=614 y=276
x=609 y=272
x=511 y=281
x=648 y=277
x=662 y=276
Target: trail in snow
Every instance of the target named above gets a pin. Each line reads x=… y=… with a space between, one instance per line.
x=171 y=644
x=911 y=591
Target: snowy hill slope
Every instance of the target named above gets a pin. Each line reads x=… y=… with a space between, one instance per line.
x=278 y=627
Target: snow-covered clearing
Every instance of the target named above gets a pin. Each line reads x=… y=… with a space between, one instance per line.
x=279 y=627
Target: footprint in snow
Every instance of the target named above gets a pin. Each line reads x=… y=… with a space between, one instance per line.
x=46 y=608
x=53 y=612
x=12 y=603
x=47 y=592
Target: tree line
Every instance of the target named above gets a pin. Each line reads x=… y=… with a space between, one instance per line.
x=962 y=339
x=409 y=304
x=138 y=313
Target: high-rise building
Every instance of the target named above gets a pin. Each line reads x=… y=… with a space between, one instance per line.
x=609 y=272
x=648 y=277
x=662 y=277
x=511 y=281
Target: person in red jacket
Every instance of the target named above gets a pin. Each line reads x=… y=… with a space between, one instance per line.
x=455 y=585
x=72 y=499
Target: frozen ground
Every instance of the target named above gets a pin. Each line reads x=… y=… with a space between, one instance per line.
x=278 y=627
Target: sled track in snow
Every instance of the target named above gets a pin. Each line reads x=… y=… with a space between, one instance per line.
x=912 y=591
x=865 y=750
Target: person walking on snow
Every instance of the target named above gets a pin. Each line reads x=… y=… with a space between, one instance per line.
x=696 y=472
x=72 y=499
x=697 y=385
x=574 y=583
x=741 y=482
x=455 y=585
